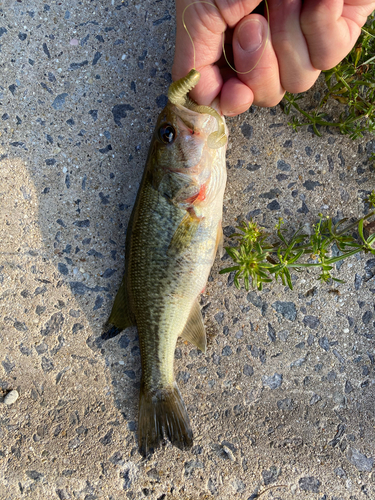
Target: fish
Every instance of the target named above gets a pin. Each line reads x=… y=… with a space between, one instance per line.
x=173 y=235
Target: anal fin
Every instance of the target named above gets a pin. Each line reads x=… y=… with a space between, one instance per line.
x=194 y=330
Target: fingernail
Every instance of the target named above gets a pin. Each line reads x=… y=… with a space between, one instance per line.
x=250 y=35
x=236 y=111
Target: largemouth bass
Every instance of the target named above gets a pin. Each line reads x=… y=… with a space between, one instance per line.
x=172 y=238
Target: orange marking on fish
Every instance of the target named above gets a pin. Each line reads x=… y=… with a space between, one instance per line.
x=192 y=199
x=201 y=196
x=202 y=193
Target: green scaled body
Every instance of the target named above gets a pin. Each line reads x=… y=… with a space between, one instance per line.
x=172 y=239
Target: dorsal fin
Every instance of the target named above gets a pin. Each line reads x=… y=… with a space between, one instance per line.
x=121 y=316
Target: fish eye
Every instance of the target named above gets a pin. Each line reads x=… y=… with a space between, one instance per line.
x=167 y=133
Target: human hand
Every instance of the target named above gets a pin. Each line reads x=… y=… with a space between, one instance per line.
x=306 y=36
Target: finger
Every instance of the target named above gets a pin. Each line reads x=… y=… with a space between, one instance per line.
x=358 y=10
x=297 y=74
x=235 y=98
x=209 y=85
x=205 y=26
x=329 y=35
x=234 y=10
x=252 y=51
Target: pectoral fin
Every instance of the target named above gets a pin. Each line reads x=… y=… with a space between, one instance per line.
x=194 y=330
x=185 y=232
x=220 y=241
x=121 y=316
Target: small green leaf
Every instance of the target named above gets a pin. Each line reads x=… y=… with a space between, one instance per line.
x=360 y=230
x=228 y=269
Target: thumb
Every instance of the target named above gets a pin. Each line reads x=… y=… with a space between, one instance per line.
x=256 y=61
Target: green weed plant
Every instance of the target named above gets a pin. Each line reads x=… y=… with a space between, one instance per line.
x=258 y=260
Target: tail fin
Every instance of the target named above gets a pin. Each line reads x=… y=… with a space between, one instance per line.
x=162 y=411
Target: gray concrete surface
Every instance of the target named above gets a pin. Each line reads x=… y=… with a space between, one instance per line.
x=285 y=394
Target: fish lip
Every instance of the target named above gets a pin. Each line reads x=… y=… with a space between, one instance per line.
x=215 y=106
x=183 y=114
x=182 y=111
x=185 y=125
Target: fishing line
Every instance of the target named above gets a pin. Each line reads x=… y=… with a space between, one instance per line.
x=258 y=495
x=224 y=53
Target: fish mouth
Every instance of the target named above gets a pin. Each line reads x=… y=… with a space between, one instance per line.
x=187 y=115
x=187 y=118
x=177 y=95
x=216 y=139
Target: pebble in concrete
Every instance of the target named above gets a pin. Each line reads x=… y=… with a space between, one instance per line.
x=11 y=397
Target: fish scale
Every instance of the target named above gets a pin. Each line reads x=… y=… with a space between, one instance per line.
x=158 y=315
x=172 y=238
